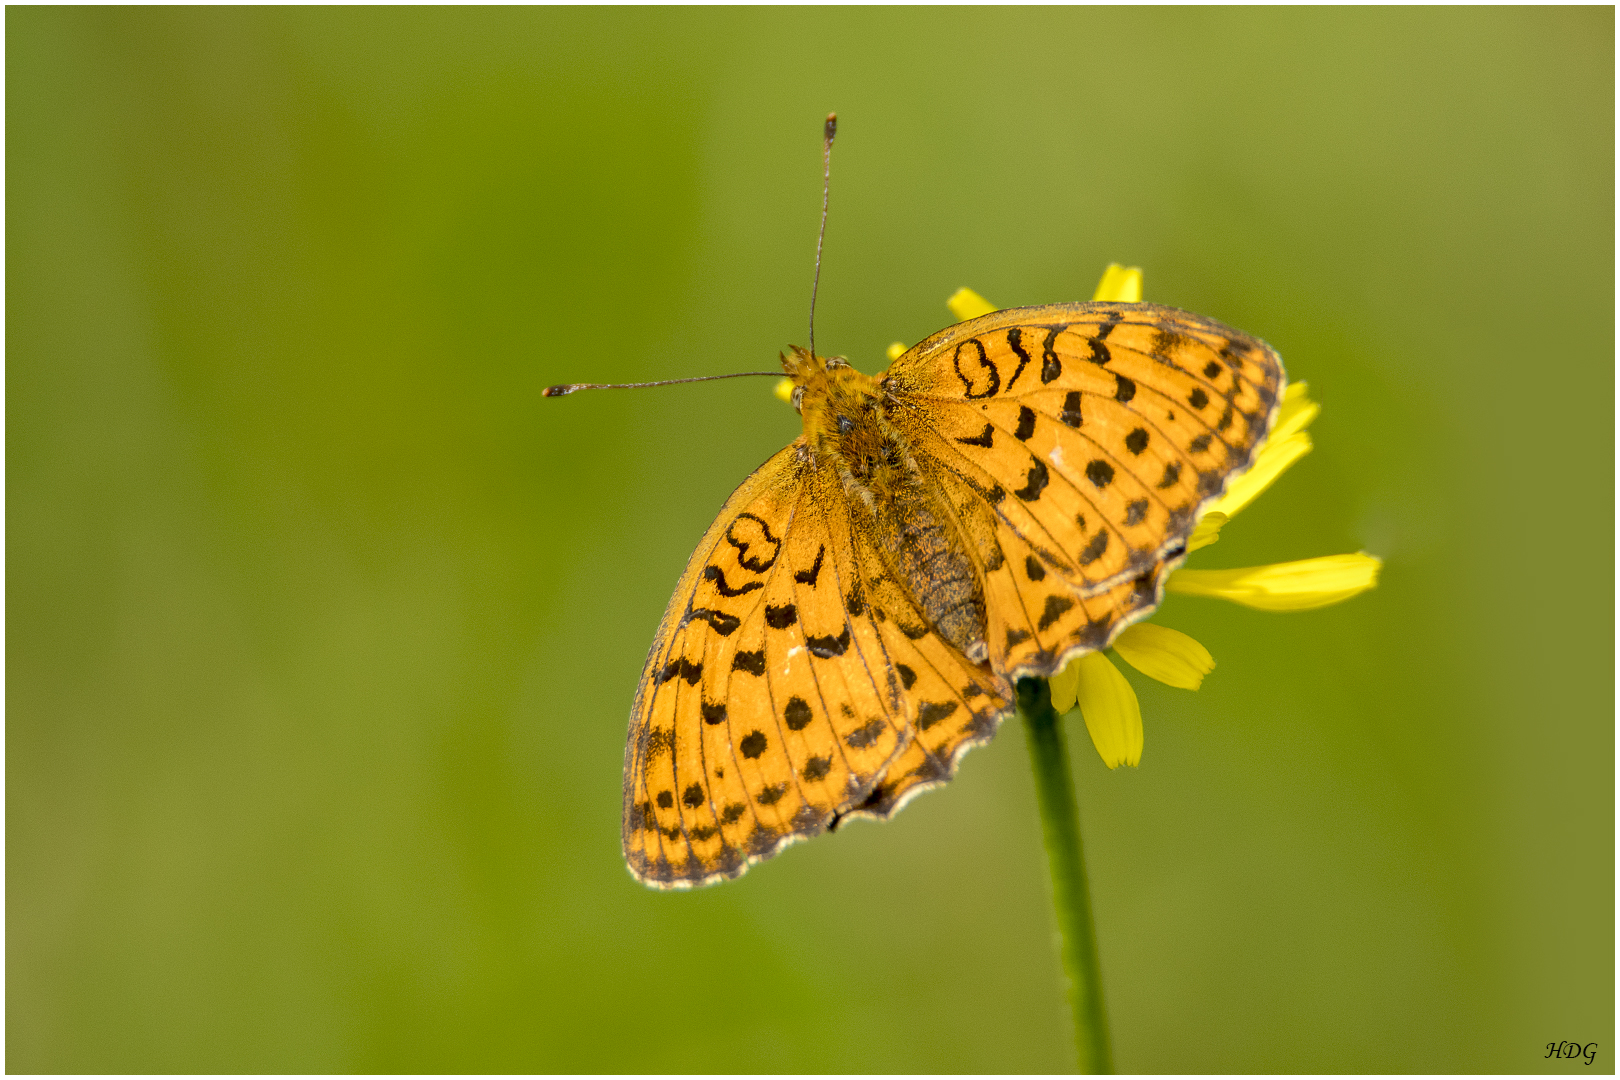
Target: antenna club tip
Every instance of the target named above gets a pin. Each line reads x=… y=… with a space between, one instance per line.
x=832 y=126
x=559 y=390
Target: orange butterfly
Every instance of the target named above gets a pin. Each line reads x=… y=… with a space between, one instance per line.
x=1009 y=495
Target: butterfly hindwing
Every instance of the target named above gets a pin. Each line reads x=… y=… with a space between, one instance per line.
x=948 y=703
x=1036 y=616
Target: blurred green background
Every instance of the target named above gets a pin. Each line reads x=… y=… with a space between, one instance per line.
x=322 y=627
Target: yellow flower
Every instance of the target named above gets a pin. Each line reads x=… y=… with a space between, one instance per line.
x=1105 y=699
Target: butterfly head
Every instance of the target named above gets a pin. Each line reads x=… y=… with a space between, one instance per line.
x=843 y=420
x=822 y=383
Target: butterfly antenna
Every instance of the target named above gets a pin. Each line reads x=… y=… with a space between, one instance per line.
x=562 y=389
x=830 y=130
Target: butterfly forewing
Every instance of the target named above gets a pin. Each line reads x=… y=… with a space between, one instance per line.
x=1096 y=431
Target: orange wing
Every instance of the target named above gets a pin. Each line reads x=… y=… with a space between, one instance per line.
x=1098 y=432
x=1080 y=443
x=786 y=678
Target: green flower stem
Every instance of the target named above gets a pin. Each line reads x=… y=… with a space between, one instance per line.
x=1071 y=899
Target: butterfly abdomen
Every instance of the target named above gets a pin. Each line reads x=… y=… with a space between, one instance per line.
x=927 y=556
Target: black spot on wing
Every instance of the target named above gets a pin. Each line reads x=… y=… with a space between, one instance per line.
x=930 y=713
x=1099 y=472
x=797 y=714
x=808 y=577
x=1015 y=342
x=714 y=712
x=1124 y=389
x=751 y=662
x=1095 y=549
x=1200 y=444
x=723 y=624
x=1198 y=399
x=753 y=744
x=692 y=796
x=780 y=618
x=718 y=576
x=1026 y=423
x=1033 y=568
x=1035 y=483
x=666 y=799
x=866 y=734
x=1055 y=607
x=816 y=768
x=1172 y=473
x=827 y=646
x=1051 y=366
x=1137 y=441
x=1071 y=409
x=1016 y=638
x=1136 y=511
x=907 y=676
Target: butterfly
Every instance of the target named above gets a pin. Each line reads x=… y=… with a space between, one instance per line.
x=1010 y=494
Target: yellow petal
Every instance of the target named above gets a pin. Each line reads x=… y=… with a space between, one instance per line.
x=1065 y=685
x=1274 y=458
x=1207 y=531
x=784 y=389
x=966 y=304
x=1111 y=712
x=1165 y=654
x=1297 y=411
x=1290 y=586
x=1120 y=284
x=895 y=351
